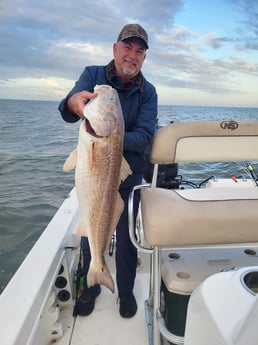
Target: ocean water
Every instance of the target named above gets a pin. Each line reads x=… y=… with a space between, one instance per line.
x=34 y=143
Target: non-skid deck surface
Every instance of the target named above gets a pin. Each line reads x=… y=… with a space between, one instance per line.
x=105 y=326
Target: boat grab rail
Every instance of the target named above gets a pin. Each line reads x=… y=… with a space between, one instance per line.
x=171 y=337
x=133 y=233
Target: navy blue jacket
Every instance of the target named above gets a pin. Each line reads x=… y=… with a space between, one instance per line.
x=139 y=105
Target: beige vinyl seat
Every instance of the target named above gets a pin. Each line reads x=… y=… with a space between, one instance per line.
x=196 y=217
x=201 y=216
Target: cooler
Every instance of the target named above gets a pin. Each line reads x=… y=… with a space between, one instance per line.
x=183 y=270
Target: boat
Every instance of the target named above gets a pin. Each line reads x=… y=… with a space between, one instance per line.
x=197 y=274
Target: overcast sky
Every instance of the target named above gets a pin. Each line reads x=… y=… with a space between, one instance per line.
x=201 y=52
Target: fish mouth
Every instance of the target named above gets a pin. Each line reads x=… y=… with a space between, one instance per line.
x=90 y=130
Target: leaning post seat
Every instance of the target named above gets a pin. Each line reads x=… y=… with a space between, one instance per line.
x=201 y=216
x=196 y=218
x=210 y=216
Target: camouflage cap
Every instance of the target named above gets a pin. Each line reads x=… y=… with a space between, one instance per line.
x=133 y=30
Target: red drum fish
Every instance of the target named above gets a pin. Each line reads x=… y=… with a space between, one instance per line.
x=99 y=169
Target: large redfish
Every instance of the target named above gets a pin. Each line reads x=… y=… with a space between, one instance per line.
x=99 y=169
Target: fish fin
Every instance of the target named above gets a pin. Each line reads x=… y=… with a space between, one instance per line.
x=125 y=169
x=71 y=161
x=118 y=209
x=103 y=277
x=81 y=230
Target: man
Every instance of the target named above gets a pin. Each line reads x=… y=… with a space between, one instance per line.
x=138 y=100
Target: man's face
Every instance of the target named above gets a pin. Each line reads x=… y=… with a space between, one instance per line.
x=129 y=56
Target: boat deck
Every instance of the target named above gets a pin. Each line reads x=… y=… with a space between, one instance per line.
x=105 y=326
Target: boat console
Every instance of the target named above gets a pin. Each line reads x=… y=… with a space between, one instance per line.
x=200 y=238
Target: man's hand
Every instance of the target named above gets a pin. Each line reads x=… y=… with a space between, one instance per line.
x=77 y=102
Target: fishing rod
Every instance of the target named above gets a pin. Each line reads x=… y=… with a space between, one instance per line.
x=252 y=172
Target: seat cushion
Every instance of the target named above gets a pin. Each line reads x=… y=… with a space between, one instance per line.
x=199 y=216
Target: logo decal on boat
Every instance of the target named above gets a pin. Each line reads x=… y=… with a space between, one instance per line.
x=232 y=125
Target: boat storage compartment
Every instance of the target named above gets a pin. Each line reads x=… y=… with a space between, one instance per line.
x=183 y=270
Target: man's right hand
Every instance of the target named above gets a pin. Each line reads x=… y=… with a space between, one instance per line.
x=76 y=102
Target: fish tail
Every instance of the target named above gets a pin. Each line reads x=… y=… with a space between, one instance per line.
x=102 y=277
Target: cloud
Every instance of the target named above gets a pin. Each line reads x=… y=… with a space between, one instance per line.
x=213 y=41
x=46 y=44
x=184 y=60
x=247 y=28
x=58 y=40
x=249 y=12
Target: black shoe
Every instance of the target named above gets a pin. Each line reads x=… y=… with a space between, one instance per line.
x=128 y=306
x=86 y=301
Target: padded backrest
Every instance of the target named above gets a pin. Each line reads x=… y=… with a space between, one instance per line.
x=206 y=141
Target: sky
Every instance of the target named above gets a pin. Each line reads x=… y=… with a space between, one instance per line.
x=201 y=52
